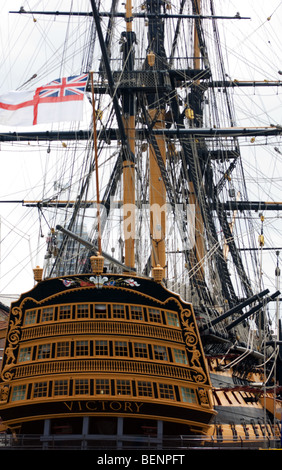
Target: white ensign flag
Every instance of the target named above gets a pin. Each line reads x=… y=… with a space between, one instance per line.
x=59 y=101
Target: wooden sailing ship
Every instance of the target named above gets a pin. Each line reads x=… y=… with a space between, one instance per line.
x=108 y=356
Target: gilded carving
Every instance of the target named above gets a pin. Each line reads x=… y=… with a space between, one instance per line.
x=13 y=338
x=203 y=396
x=4 y=390
x=192 y=345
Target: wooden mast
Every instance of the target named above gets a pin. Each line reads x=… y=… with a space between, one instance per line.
x=156 y=102
x=128 y=160
x=96 y=163
x=157 y=195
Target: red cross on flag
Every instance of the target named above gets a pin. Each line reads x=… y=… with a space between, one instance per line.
x=59 y=101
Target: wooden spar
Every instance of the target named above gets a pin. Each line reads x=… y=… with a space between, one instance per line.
x=128 y=161
x=96 y=164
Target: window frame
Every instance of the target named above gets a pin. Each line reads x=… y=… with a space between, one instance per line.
x=137 y=348
x=179 y=354
x=145 y=386
x=101 y=349
x=47 y=314
x=103 y=313
x=39 y=389
x=187 y=392
x=102 y=387
x=136 y=312
x=155 y=315
x=63 y=349
x=123 y=387
x=19 y=392
x=44 y=351
x=82 y=347
x=65 y=312
x=172 y=319
x=30 y=317
x=121 y=350
x=118 y=311
x=162 y=351
x=166 y=391
x=23 y=353
x=81 y=386
x=82 y=311
x=60 y=385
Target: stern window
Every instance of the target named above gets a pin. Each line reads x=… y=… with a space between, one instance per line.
x=63 y=348
x=172 y=319
x=101 y=348
x=123 y=387
x=121 y=348
x=188 y=395
x=118 y=311
x=155 y=315
x=102 y=387
x=44 y=351
x=136 y=312
x=145 y=389
x=30 y=317
x=61 y=387
x=82 y=348
x=166 y=391
x=83 y=311
x=65 y=312
x=19 y=392
x=47 y=314
x=140 y=350
x=100 y=311
x=82 y=387
x=40 y=389
x=180 y=356
x=160 y=353
x=25 y=354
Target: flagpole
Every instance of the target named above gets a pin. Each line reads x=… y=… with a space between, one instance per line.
x=96 y=163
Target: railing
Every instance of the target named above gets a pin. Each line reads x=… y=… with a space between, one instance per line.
x=104 y=365
x=131 y=442
x=102 y=327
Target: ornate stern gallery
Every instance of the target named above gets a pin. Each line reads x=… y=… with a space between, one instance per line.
x=104 y=355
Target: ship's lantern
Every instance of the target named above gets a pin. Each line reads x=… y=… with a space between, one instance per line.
x=37 y=274
x=189 y=113
x=97 y=264
x=151 y=59
x=158 y=273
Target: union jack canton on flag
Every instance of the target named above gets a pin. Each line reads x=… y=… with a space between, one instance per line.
x=58 y=101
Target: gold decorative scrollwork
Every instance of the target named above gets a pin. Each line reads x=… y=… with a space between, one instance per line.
x=13 y=338
x=4 y=391
x=190 y=335
x=203 y=397
x=192 y=345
